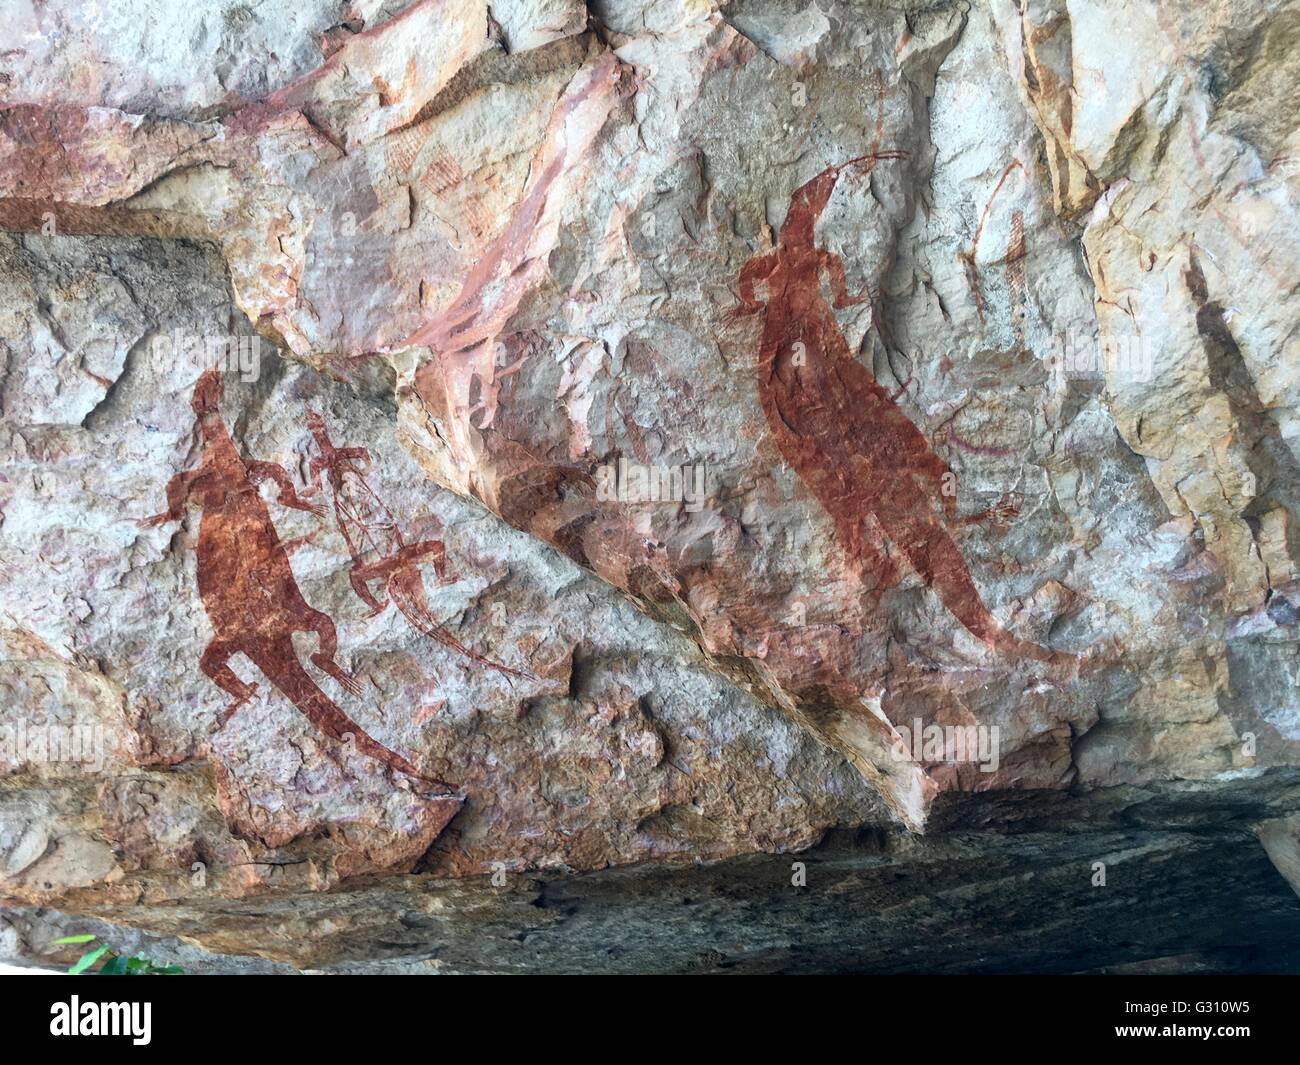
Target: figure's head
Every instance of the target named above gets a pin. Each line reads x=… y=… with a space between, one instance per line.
x=207 y=393
x=316 y=424
x=811 y=198
x=806 y=206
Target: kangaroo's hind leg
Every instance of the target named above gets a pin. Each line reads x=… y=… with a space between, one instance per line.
x=876 y=567
x=215 y=662
x=860 y=537
x=323 y=659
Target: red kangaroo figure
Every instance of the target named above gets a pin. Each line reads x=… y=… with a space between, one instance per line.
x=370 y=531
x=841 y=431
x=248 y=588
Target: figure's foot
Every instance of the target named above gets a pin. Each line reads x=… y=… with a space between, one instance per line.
x=1004 y=512
x=290 y=546
x=327 y=665
x=154 y=519
x=228 y=712
x=1000 y=515
x=1107 y=653
x=901 y=389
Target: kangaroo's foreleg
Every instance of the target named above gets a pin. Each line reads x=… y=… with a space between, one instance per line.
x=834 y=267
x=754 y=271
x=178 y=492
x=1000 y=514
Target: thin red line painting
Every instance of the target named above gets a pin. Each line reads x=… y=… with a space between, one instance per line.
x=248 y=588
x=842 y=432
x=967 y=258
x=378 y=549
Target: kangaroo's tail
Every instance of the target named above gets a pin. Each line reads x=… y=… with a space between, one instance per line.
x=934 y=554
x=297 y=686
x=981 y=623
x=406 y=587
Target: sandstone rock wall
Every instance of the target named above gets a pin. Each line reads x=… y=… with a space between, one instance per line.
x=767 y=387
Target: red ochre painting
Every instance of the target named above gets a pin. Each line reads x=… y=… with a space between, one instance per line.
x=378 y=549
x=248 y=588
x=854 y=448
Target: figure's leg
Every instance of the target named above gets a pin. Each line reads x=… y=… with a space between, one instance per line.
x=877 y=560
x=215 y=663
x=865 y=546
x=352 y=454
x=323 y=626
x=426 y=548
x=357 y=577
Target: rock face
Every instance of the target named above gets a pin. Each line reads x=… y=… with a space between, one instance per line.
x=455 y=448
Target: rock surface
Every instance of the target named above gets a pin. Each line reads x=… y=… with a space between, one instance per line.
x=647 y=433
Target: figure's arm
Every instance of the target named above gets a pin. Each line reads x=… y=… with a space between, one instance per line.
x=753 y=271
x=834 y=267
x=288 y=497
x=340 y=456
x=178 y=492
x=352 y=454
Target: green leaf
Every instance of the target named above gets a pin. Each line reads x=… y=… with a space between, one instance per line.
x=169 y=970
x=86 y=961
x=115 y=966
x=86 y=938
x=134 y=966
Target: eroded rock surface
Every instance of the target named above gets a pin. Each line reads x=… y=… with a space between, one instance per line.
x=642 y=432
